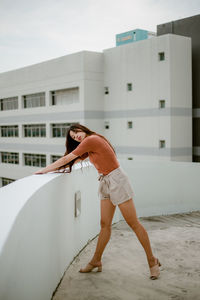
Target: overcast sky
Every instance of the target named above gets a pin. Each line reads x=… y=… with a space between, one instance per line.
x=33 y=31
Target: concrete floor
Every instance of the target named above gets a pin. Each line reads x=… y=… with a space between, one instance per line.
x=175 y=240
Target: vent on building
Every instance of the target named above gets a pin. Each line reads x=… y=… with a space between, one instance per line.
x=106 y=90
x=107 y=124
x=129 y=87
x=161 y=56
x=161 y=103
x=162 y=144
x=130 y=124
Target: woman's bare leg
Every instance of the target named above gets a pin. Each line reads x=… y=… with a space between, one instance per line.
x=129 y=213
x=107 y=213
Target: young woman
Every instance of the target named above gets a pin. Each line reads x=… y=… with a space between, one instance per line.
x=114 y=189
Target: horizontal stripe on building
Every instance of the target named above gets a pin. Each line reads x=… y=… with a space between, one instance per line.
x=196 y=112
x=184 y=151
x=131 y=150
x=94 y=114
x=196 y=151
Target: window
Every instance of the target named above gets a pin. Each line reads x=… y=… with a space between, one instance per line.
x=35 y=130
x=9 y=131
x=35 y=160
x=161 y=103
x=10 y=157
x=129 y=87
x=161 y=56
x=65 y=96
x=6 y=181
x=55 y=157
x=130 y=124
x=9 y=103
x=106 y=90
x=162 y=144
x=34 y=100
x=107 y=124
x=60 y=130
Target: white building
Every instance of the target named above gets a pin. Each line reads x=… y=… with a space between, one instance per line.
x=149 y=104
x=138 y=95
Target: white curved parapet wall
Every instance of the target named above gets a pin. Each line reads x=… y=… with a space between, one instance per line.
x=164 y=187
x=40 y=236
x=39 y=233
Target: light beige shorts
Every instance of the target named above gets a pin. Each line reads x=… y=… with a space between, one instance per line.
x=115 y=186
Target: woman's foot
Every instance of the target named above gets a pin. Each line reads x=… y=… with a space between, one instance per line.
x=90 y=266
x=154 y=269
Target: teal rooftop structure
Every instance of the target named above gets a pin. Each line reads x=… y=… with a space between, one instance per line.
x=133 y=36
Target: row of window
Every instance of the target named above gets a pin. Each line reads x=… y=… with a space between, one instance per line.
x=129 y=125
x=59 y=97
x=34 y=160
x=128 y=87
x=5 y=181
x=39 y=160
x=36 y=130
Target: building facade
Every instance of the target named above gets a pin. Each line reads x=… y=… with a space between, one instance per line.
x=149 y=106
x=138 y=95
x=190 y=27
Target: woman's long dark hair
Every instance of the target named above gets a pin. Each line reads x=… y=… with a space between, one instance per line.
x=71 y=144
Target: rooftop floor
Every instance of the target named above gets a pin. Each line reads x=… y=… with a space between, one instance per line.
x=175 y=240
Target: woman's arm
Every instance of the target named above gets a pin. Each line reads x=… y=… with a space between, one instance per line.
x=61 y=170
x=58 y=163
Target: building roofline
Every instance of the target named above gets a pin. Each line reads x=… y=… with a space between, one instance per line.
x=49 y=60
x=191 y=17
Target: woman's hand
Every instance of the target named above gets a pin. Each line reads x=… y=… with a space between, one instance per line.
x=39 y=172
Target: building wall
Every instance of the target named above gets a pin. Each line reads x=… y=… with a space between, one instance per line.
x=181 y=96
x=93 y=91
x=190 y=27
x=83 y=70
x=152 y=80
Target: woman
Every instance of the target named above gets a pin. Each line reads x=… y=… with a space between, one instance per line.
x=114 y=189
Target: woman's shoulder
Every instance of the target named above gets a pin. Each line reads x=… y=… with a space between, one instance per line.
x=93 y=137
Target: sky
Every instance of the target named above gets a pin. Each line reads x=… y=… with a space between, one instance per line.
x=32 y=31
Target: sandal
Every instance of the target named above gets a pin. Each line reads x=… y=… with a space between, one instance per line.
x=155 y=272
x=90 y=267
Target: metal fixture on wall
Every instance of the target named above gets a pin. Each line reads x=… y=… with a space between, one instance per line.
x=77 y=202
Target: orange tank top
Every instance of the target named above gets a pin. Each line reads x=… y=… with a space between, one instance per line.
x=100 y=153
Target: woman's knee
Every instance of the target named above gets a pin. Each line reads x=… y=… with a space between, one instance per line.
x=105 y=224
x=134 y=224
